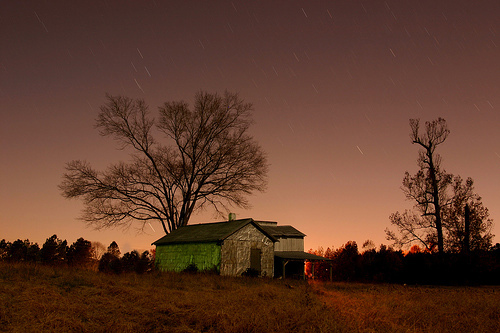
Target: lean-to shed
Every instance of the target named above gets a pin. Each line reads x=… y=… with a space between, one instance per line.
x=229 y=248
x=289 y=255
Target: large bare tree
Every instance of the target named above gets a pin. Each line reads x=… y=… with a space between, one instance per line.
x=427 y=188
x=438 y=218
x=187 y=159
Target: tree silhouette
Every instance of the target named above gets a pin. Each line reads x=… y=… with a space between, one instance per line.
x=114 y=250
x=19 y=251
x=427 y=186
x=437 y=220
x=4 y=249
x=205 y=158
x=458 y=238
x=130 y=260
x=145 y=263
x=53 y=250
x=345 y=261
x=110 y=261
x=80 y=253
x=98 y=249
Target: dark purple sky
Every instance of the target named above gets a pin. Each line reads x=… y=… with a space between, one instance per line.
x=333 y=83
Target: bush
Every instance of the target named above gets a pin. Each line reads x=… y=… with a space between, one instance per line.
x=145 y=263
x=251 y=272
x=191 y=268
x=110 y=263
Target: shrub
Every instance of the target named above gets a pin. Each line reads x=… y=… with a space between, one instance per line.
x=251 y=272
x=191 y=268
x=109 y=263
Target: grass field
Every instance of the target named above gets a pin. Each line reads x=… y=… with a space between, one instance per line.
x=44 y=299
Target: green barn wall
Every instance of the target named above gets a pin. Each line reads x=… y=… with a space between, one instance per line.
x=176 y=257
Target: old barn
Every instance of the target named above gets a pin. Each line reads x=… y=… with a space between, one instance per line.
x=233 y=247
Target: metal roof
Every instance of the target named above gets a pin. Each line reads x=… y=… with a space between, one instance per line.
x=282 y=231
x=208 y=232
x=297 y=255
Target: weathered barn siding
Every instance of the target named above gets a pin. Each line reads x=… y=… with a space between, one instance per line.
x=289 y=244
x=234 y=246
x=176 y=257
x=236 y=252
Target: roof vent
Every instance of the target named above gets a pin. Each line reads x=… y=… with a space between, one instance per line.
x=232 y=216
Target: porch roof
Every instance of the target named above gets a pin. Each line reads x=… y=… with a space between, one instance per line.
x=298 y=255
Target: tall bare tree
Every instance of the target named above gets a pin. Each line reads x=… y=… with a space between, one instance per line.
x=427 y=187
x=438 y=218
x=205 y=157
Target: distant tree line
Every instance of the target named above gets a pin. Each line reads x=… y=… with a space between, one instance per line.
x=82 y=253
x=415 y=266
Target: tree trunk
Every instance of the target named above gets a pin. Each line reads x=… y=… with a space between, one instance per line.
x=436 y=201
x=466 y=247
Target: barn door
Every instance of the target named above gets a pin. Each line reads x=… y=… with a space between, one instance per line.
x=255 y=259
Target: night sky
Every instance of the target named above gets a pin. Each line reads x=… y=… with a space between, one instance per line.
x=333 y=83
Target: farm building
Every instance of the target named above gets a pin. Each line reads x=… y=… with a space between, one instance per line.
x=233 y=247
x=289 y=255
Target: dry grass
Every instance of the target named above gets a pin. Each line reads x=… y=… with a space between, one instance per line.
x=38 y=299
x=397 y=308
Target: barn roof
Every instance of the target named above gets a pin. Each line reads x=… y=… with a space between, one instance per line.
x=208 y=232
x=282 y=231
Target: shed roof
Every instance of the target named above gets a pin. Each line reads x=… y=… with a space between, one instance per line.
x=208 y=232
x=282 y=231
x=298 y=255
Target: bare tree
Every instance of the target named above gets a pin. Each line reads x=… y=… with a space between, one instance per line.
x=206 y=158
x=440 y=200
x=98 y=249
x=461 y=235
x=427 y=187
